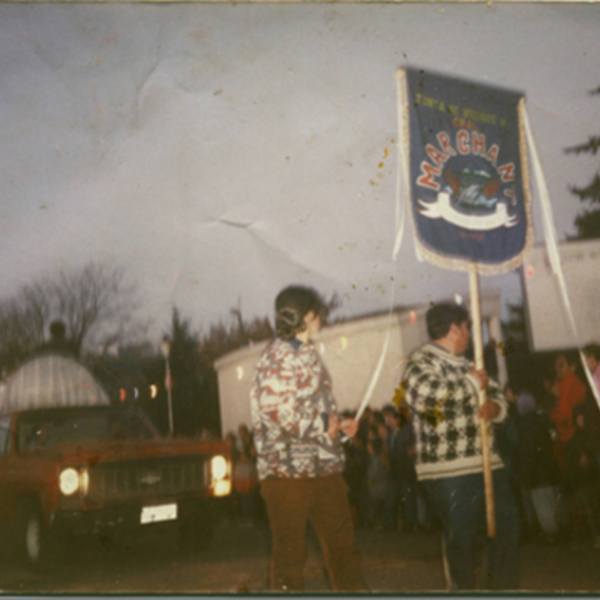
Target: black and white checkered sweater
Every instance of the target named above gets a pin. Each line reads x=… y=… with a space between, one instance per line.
x=443 y=400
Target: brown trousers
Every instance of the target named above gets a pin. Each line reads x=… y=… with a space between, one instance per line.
x=323 y=500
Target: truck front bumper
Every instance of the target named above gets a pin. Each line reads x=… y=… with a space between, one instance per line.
x=129 y=516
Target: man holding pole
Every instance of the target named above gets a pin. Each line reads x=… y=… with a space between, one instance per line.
x=442 y=390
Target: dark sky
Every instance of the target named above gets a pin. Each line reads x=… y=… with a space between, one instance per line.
x=220 y=152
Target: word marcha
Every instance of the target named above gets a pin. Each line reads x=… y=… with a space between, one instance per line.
x=467 y=143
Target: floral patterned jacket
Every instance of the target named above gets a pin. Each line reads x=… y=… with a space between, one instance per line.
x=289 y=399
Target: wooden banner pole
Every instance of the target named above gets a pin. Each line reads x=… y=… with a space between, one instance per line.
x=485 y=439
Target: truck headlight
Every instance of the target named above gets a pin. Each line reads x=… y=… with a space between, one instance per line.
x=218 y=467
x=68 y=481
x=84 y=481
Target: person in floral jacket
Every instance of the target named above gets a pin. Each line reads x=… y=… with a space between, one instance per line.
x=300 y=459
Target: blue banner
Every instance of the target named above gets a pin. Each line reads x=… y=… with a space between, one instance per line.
x=469 y=187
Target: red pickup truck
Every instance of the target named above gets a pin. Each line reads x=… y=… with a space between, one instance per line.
x=100 y=469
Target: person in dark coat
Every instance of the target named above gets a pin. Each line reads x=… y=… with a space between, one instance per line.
x=536 y=468
x=583 y=475
x=507 y=434
x=402 y=475
x=355 y=475
x=572 y=392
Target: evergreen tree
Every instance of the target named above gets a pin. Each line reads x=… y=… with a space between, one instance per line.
x=190 y=404
x=588 y=222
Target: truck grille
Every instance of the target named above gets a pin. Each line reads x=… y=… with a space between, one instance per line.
x=145 y=478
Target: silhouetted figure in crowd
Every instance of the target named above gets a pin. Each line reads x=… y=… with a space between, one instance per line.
x=592 y=357
x=583 y=475
x=377 y=481
x=355 y=475
x=246 y=441
x=365 y=423
x=537 y=471
x=572 y=392
x=507 y=433
x=245 y=486
x=402 y=486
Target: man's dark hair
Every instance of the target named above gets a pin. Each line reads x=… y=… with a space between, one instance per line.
x=377 y=417
x=292 y=305
x=391 y=409
x=570 y=356
x=441 y=316
x=592 y=350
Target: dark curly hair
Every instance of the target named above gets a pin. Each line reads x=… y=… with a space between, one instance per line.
x=292 y=305
x=441 y=317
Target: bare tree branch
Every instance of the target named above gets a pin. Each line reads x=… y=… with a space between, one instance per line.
x=95 y=301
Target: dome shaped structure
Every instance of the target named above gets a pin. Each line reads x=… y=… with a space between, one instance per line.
x=50 y=380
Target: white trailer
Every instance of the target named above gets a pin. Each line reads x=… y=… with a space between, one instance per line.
x=546 y=314
x=351 y=350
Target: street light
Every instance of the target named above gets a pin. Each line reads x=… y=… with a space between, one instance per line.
x=165 y=348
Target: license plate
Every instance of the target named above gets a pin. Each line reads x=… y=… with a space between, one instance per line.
x=155 y=514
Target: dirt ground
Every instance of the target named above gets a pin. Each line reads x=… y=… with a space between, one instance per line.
x=398 y=563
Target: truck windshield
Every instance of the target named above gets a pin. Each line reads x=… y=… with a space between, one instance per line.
x=50 y=427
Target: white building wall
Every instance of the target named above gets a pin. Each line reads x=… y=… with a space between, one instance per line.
x=546 y=313
x=235 y=372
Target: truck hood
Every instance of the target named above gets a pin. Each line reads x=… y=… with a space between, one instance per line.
x=95 y=452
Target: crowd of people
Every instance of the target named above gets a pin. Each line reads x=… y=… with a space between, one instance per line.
x=418 y=463
x=380 y=471
x=550 y=445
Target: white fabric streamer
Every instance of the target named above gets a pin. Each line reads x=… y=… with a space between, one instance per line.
x=402 y=173
x=402 y=193
x=552 y=247
x=377 y=372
